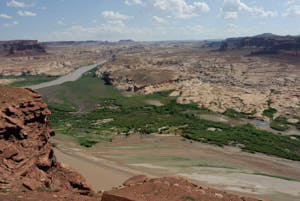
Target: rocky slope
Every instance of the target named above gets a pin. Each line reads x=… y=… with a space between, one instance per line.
x=27 y=160
x=142 y=188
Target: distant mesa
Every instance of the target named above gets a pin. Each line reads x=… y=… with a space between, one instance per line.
x=126 y=41
x=266 y=35
x=21 y=48
x=67 y=43
x=264 y=44
x=84 y=43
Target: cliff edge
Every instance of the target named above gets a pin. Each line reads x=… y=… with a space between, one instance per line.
x=27 y=160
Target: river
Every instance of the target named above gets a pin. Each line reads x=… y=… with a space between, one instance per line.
x=67 y=78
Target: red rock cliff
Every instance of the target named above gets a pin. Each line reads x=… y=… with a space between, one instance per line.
x=27 y=160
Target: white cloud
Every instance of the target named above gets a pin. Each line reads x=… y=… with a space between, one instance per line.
x=231 y=28
x=118 y=23
x=26 y=14
x=113 y=30
x=158 y=19
x=180 y=8
x=15 y=3
x=133 y=2
x=231 y=8
x=195 y=29
x=11 y=24
x=229 y=15
x=115 y=15
x=43 y=8
x=5 y=16
x=292 y=11
x=202 y=7
x=61 y=23
x=293 y=1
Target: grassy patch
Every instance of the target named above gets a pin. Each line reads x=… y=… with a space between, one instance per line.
x=54 y=144
x=247 y=137
x=137 y=147
x=237 y=115
x=298 y=124
x=280 y=124
x=29 y=80
x=65 y=107
x=274 y=176
x=86 y=141
x=215 y=166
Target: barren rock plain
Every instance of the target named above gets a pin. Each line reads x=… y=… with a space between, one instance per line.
x=58 y=60
x=210 y=78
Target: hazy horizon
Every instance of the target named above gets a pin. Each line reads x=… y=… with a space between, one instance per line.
x=146 y=20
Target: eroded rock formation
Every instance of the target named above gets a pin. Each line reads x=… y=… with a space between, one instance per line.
x=27 y=160
x=142 y=188
x=215 y=80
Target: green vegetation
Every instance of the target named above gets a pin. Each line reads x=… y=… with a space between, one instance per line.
x=86 y=141
x=247 y=137
x=237 y=115
x=298 y=124
x=278 y=177
x=54 y=144
x=280 y=124
x=163 y=158
x=188 y=197
x=270 y=111
x=296 y=136
x=28 y=80
x=215 y=166
x=117 y=114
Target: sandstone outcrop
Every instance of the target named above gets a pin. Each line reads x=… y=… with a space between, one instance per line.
x=211 y=79
x=27 y=160
x=168 y=189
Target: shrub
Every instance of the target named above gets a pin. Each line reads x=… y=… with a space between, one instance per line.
x=87 y=142
x=276 y=125
x=269 y=112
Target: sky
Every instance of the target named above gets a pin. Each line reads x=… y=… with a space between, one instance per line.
x=146 y=20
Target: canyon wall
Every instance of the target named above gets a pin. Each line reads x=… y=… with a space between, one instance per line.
x=21 y=48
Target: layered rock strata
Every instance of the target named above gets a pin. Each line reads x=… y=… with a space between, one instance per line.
x=27 y=160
